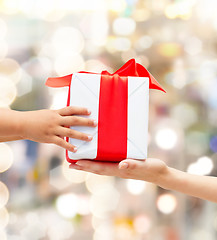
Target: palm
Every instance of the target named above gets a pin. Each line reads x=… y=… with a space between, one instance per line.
x=148 y=170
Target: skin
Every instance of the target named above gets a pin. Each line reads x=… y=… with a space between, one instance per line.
x=157 y=172
x=45 y=126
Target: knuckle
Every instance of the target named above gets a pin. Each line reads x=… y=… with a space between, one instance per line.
x=70 y=133
x=75 y=120
x=49 y=130
x=84 y=137
x=54 y=118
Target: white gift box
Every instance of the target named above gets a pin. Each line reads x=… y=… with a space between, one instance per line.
x=120 y=102
x=84 y=92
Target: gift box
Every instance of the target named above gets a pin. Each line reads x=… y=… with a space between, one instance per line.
x=120 y=104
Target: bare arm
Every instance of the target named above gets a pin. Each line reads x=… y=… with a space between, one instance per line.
x=157 y=172
x=9 y=138
x=204 y=187
x=10 y=125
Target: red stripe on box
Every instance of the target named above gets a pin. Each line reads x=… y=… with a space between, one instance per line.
x=112 y=119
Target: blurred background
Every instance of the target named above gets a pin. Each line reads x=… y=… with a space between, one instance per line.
x=40 y=198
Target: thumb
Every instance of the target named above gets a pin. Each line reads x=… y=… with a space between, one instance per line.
x=130 y=164
x=123 y=164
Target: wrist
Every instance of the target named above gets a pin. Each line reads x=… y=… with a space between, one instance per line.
x=173 y=179
x=20 y=125
x=165 y=178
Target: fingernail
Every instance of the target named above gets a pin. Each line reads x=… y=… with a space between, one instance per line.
x=88 y=111
x=79 y=163
x=75 y=149
x=90 y=138
x=95 y=123
x=123 y=165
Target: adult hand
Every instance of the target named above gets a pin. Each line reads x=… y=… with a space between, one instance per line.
x=151 y=169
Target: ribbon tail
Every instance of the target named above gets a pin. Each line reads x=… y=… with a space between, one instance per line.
x=59 y=81
x=153 y=84
x=143 y=72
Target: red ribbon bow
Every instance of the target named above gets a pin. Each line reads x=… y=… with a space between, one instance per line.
x=130 y=68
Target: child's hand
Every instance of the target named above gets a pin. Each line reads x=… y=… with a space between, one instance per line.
x=51 y=126
x=151 y=169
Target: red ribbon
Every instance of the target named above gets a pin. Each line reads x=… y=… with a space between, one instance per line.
x=113 y=101
x=112 y=119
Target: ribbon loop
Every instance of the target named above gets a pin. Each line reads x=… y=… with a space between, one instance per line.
x=130 y=68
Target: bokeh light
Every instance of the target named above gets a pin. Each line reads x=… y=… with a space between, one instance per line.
x=124 y=26
x=3 y=49
x=4 y=217
x=24 y=86
x=94 y=65
x=67 y=40
x=11 y=69
x=73 y=176
x=75 y=63
x=3 y=235
x=8 y=92
x=96 y=183
x=67 y=205
x=142 y=223
x=144 y=42
x=117 y=6
x=59 y=99
x=4 y=194
x=166 y=138
x=105 y=197
x=169 y=49
x=193 y=46
x=135 y=187
x=203 y=166
x=7 y=157
x=3 y=29
x=180 y=9
x=166 y=203
x=103 y=231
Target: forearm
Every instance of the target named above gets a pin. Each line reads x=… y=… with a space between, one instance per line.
x=9 y=138
x=204 y=187
x=11 y=124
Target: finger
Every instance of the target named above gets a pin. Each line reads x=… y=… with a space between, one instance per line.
x=102 y=168
x=62 y=143
x=78 y=121
x=74 y=166
x=72 y=110
x=71 y=133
